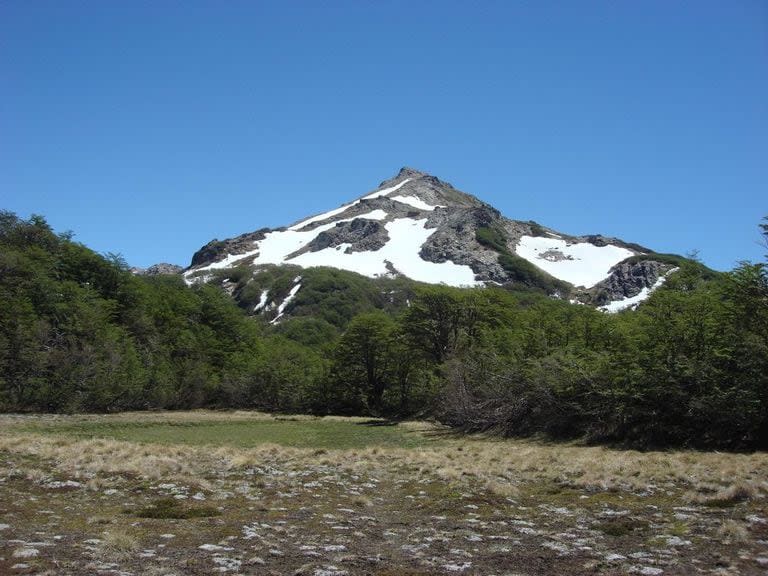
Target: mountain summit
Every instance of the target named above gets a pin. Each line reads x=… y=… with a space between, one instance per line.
x=417 y=226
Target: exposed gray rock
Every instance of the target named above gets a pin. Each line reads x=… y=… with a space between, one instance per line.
x=454 y=217
x=163 y=268
x=515 y=229
x=218 y=249
x=362 y=235
x=455 y=240
x=627 y=280
x=393 y=209
x=430 y=189
x=554 y=256
x=600 y=240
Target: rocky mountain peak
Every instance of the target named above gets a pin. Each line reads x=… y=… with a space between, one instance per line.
x=418 y=226
x=408 y=172
x=410 y=182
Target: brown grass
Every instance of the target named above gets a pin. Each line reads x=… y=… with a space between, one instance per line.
x=710 y=478
x=733 y=532
x=118 y=544
x=500 y=466
x=624 y=500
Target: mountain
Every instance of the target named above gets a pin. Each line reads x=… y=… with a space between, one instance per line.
x=422 y=228
x=158 y=269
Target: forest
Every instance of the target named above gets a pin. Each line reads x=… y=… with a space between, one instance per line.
x=79 y=332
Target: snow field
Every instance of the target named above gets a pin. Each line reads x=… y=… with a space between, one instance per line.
x=402 y=251
x=276 y=246
x=415 y=202
x=584 y=265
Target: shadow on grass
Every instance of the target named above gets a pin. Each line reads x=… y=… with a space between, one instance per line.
x=377 y=422
x=432 y=434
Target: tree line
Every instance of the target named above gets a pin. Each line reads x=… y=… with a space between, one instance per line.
x=79 y=332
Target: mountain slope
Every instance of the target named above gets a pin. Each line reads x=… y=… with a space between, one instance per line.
x=419 y=227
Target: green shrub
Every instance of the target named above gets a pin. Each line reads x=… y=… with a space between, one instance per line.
x=519 y=269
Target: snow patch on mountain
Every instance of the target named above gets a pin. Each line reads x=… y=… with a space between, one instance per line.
x=284 y=303
x=401 y=252
x=276 y=246
x=262 y=301
x=321 y=217
x=377 y=214
x=404 y=233
x=415 y=202
x=334 y=212
x=581 y=263
x=384 y=191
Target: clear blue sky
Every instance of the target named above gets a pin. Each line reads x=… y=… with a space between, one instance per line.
x=149 y=128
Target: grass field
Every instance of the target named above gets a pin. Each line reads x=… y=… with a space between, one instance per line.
x=247 y=493
x=297 y=432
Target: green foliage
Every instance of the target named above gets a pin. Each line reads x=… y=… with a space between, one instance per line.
x=690 y=367
x=364 y=357
x=327 y=294
x=519 y=269
x=205 y=430
x=522 y=271
x=336 y=296
x=674 y=260
x=492 y=238
x=315 y=333
x=764 y=231
x=284 y=377
x=536 y=228
x=78 y=332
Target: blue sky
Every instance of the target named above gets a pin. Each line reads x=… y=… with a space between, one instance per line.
x=149 y=128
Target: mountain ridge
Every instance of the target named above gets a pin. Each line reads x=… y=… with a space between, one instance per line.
x=423 y=228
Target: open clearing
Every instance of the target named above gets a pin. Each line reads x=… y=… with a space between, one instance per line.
x=246 y=493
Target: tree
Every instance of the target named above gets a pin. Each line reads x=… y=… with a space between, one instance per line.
x=434 y=322
x=403 y=365
x=363 y=356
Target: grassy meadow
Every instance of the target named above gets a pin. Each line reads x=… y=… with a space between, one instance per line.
x=246 y=493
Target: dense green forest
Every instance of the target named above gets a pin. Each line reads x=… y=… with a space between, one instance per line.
x=80 y=332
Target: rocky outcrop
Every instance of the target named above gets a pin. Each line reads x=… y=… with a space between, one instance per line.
x=455 y=240
x=627 y=279
x=600 y=240
x=431 y=189
x=362 y=235
x=217 y=249
x=158 y=269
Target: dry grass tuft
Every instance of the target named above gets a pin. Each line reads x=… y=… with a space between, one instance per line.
x=732 y=532
x=97 y=484
x=709 y=494
x=118 y=544
x=503 y=488
x=362 y=502
x=36 y=475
